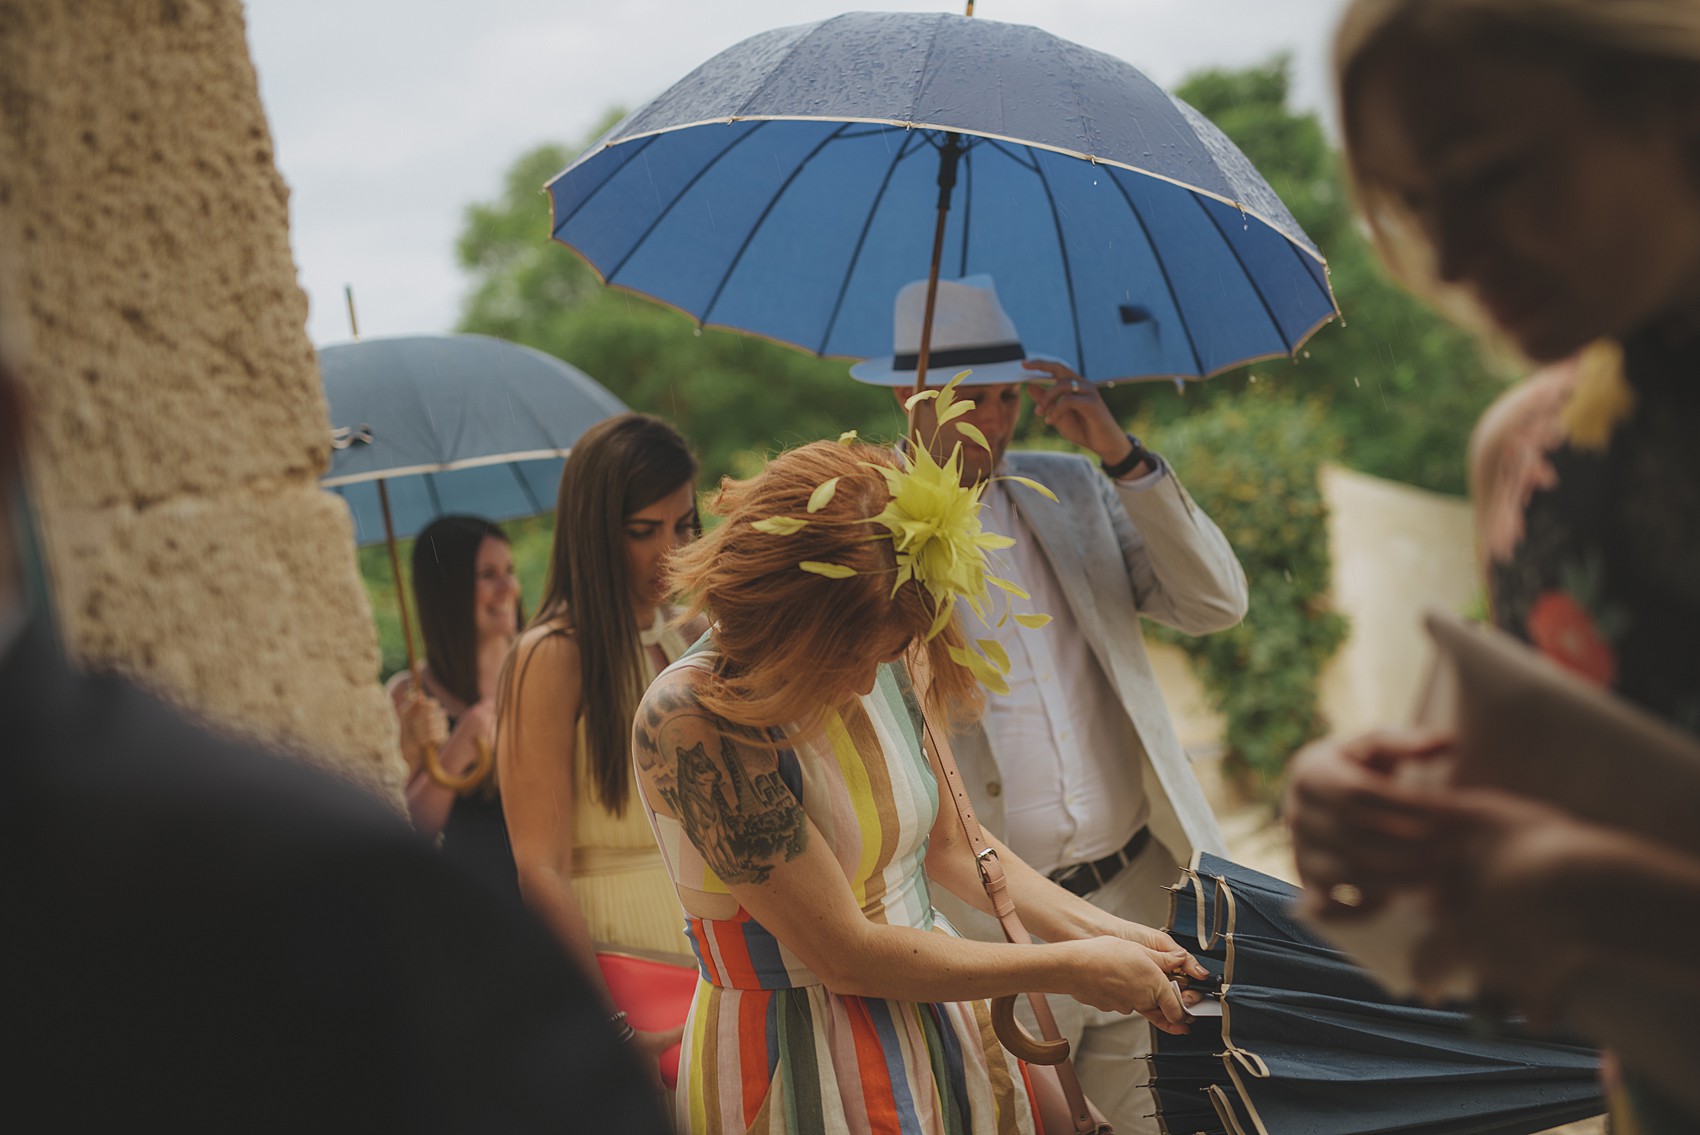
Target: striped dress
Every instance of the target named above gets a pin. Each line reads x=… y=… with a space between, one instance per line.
x=767 y=1047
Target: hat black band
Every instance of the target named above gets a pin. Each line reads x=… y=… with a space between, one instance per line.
x=962 y=356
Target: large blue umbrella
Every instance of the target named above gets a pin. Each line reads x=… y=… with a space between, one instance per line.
x=459 y=424
x=790 y=185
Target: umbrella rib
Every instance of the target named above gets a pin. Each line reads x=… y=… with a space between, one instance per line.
x=767 y=211
x=684 y=190
x=525 y=489
x=862 y=240
x=967 y=205
x=558 y=225
x=1003 y=148
x=1162 y=270
x=1246 y=272
x=1068 y=277
x=1312 y=269
x=430 y=480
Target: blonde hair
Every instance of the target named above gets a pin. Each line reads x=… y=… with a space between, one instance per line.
x=789 y=639
x=1619 y=49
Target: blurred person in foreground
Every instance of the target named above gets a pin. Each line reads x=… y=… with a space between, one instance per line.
x=783 y=768
x=201 y=936
x=1537 y=162
x=1076 y=766
x=467 y=595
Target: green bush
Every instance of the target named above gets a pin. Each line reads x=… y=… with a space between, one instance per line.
x=1252 y=463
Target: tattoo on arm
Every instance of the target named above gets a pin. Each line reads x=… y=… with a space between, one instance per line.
x=732 y=802
x=741 y=823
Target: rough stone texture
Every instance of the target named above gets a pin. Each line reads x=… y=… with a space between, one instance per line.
x=178 y=418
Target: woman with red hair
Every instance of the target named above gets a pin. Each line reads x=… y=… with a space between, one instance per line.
x=783 y=767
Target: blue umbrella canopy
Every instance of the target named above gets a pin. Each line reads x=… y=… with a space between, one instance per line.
x=787 y=188
x=1306 y=1041
x=454 y=424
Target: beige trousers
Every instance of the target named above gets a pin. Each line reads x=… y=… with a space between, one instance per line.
x=1111 y=1050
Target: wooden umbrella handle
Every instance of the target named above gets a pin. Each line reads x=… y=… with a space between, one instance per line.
x=467 y=781
x=1018 y=1040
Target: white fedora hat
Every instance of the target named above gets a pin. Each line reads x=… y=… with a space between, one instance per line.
x=971 y=331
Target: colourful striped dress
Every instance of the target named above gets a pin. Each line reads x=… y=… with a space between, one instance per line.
x=767 y=1047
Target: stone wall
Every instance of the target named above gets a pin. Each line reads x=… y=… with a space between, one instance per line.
x=178 y=424
x=1397 y=551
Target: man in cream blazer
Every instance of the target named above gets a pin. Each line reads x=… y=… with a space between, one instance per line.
x=1078 y=769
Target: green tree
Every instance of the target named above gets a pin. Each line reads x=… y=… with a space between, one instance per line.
x=1252 y=462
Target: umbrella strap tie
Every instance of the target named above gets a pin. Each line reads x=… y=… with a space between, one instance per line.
x=1209 y=931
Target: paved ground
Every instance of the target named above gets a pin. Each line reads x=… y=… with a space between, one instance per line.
x=1257 y=840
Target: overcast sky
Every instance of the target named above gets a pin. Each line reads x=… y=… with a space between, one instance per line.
x=391 y=116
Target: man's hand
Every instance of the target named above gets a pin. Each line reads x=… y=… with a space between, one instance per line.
x=1074 y=408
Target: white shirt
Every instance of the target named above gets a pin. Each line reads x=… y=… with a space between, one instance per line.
x=1071 y=787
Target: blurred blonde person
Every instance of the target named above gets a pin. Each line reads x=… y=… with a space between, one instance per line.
x=1534 y=165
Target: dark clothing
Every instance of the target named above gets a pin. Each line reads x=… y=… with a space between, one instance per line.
x=1605 y=578
x=201 y=936
x=475 y=839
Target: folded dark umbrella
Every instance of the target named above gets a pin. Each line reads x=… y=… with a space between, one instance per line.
x=1307 y=1042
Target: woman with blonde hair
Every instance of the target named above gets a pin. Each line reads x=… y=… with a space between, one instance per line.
x=585 y=859
x=1534 y=165
x=783 y=767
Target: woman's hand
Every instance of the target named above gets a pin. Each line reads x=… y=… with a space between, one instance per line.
x=423 y=723
x=1357 y=833
x=476 y=723
x=649 y=1047
x=1121 y=976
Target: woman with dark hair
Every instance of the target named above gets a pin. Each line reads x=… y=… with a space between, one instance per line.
x=587 y=863
x=783 y=765
x=467 y=595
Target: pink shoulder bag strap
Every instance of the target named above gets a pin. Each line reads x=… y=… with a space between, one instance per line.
x=1052 y=1051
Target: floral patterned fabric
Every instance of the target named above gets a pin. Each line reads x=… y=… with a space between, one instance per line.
x=1591 y=526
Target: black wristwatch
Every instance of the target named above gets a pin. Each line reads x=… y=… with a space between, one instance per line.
x=1129 y=463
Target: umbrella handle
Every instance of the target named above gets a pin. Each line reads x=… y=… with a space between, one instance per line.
x=1018 y=1041
x=466 y=782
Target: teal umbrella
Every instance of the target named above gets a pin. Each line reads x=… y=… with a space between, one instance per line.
x=444 y=424
x=457 y=424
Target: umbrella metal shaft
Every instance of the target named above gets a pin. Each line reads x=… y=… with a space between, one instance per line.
x=400 y=594
x=949 y=154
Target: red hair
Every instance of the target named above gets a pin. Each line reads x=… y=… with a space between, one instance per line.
x=791 y=639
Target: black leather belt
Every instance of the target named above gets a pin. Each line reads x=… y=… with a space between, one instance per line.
x=1084 y=878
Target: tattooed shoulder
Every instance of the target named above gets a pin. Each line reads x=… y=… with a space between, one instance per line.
x=728 y=796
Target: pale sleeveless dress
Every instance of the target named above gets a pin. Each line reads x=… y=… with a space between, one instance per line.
x=618 y=876
x=767 y=1047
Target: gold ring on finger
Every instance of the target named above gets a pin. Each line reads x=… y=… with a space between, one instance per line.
x=1346 y=894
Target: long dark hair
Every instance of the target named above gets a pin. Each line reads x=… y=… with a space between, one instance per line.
x=445 y=583
x=619 y=467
